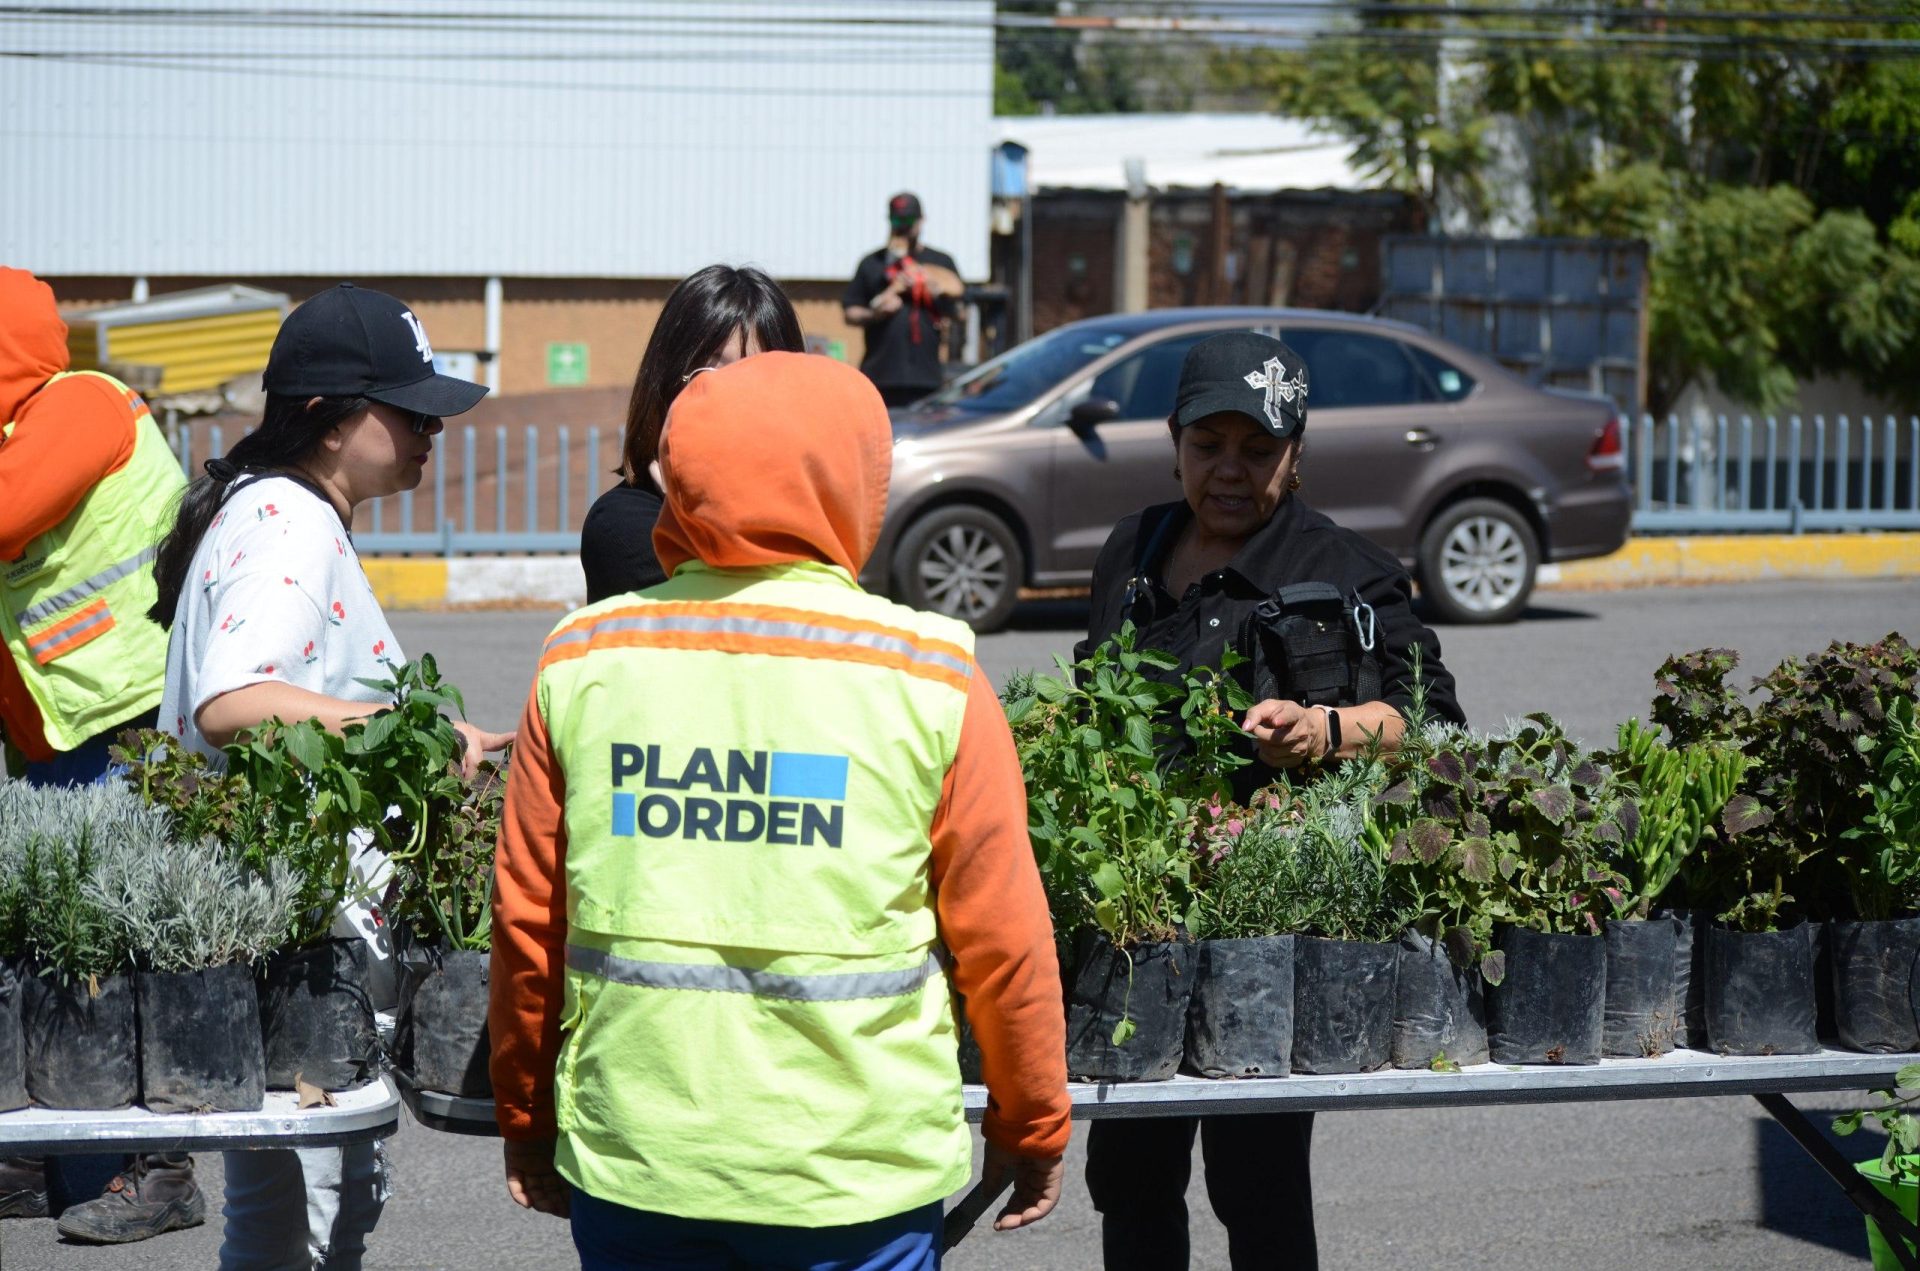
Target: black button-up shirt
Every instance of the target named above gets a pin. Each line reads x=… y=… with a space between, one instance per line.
x=1296 y=545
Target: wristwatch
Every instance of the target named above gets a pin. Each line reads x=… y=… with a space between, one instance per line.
x=1333 y=734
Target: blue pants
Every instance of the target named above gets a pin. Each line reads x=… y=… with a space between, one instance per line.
x=613 y=1237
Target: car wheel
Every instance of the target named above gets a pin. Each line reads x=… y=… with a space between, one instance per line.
x=962 y=561
x=1478 y=560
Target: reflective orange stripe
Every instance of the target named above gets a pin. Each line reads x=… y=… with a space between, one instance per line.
x=70 y=633
x=783 y=632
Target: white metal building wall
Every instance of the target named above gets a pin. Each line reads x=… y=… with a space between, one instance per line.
x=520 y=138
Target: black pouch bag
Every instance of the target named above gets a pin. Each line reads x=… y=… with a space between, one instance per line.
x=1312 y=646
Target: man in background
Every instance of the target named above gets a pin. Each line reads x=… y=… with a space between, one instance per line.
x=902 y=296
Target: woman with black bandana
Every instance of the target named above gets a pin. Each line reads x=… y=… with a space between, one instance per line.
x=1323 y=619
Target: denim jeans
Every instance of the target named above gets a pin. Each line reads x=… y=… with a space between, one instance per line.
x=613 y=1237
x=304 y=1209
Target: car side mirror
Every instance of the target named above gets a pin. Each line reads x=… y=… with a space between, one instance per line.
x=1087 y=415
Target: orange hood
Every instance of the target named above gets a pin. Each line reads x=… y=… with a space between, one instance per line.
x=33 y=340
x=777 y=458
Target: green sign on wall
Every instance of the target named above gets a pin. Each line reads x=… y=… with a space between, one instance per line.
x=566 y=365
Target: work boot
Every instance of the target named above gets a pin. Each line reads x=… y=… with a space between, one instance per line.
x=23 y=1187
x=157 y=1193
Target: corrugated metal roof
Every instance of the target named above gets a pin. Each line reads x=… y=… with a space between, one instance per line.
x=1241 y=152
x=476 y=137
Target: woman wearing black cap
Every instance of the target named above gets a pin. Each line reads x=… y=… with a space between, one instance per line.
x=271 y=616
x=1324 y=619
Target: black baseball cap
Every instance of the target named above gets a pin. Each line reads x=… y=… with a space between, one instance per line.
x=903 y=210
x=349 y=341
x=1249 y=374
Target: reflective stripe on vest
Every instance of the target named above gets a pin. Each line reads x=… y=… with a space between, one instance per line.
x=900 y=644
x=841 y=986
x=74 y=595
x=71 y=633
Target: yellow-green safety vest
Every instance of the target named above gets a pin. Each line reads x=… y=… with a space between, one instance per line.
x=756 y=1028
x=73 y=607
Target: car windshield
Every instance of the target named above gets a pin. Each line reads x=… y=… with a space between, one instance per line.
x=1019 y=375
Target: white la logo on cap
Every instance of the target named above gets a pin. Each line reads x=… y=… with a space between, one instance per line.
x=419 y=335
x=1273 y=378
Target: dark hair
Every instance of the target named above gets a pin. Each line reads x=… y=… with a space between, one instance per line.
x=705 y=311
x=289 y=431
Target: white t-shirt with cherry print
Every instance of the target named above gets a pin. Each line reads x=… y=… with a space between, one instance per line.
x=275 y=592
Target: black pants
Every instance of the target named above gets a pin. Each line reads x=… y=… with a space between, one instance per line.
x=1259 y=1182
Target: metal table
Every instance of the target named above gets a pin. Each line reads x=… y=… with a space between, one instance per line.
x=1680 y=1074
x=371 y=1111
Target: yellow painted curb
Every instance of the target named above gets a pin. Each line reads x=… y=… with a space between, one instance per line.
x=407 y=584
x=1728 y=558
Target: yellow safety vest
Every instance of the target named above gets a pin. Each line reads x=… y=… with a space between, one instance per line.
x=755 y=1027
x=73 y=607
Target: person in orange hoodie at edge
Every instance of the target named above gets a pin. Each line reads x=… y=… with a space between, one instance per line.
x=86 y=482
x=748 y=808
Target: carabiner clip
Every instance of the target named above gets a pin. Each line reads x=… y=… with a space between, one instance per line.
x=1363 y=623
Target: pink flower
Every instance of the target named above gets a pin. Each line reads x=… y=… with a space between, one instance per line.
x=1236 y=827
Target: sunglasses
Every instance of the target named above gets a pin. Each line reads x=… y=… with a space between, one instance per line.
x=420 y=422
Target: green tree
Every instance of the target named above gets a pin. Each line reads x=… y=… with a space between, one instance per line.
x=1772 y=166
x=1079 y=72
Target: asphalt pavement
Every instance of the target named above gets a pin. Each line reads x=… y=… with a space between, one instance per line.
x=1622 y=1186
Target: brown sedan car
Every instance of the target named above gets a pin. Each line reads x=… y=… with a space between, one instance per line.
x=1014 y=474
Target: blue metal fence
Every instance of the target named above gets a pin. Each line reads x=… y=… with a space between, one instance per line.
x=1722 y=475
x=1694 y=476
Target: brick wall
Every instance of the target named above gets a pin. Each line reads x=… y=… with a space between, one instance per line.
x=1303 y=249
x=612 y=317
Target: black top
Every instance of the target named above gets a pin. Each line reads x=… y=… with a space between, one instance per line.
x=616 y=541
x=903 y=349
x=1297 y=545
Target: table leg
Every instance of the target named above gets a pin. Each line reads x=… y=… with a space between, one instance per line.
x=1865 y=1197
x=971 y=1208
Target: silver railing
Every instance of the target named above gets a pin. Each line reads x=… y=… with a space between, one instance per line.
x=490 y=492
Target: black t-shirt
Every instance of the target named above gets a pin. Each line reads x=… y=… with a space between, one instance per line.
x=903 y=350
x=1296 y=545
x=616 y=541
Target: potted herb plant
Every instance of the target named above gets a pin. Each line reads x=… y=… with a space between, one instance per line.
x=1116 y=760
x=1785 y=857
x=1874 y=956
x=1680 y=792
x=1346 y=958
x=1507 y=836
x=1240 y=1023
x=78 y=1002
x=1446 y=955
x=288 y=803
x=197 y=923
x=15 y=818
x=439 y=842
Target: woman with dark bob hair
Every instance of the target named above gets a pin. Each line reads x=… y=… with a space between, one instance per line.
x=712 y=319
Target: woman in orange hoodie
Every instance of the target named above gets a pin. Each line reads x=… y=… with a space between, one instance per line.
x=745 y=808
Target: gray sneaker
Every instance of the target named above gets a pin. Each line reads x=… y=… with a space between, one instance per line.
x=23 y=1187
x=156 y=1195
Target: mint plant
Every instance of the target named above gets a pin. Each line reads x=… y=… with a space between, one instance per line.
x=1882 y=852
x=1116 y=761
x=1897 y=1120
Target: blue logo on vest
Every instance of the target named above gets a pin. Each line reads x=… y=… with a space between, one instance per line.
x=778 y=797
